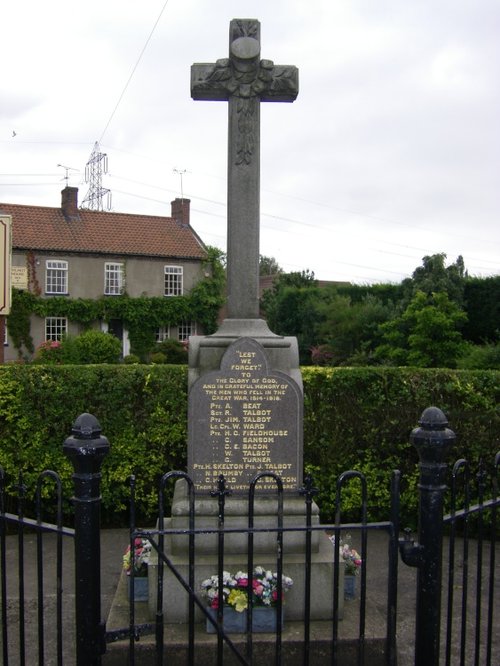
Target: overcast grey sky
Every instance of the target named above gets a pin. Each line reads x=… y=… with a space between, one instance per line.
x=390 y=152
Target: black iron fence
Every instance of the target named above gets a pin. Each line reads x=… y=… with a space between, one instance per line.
x=462 y=572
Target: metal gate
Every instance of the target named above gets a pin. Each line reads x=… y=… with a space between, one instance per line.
x=319 y=642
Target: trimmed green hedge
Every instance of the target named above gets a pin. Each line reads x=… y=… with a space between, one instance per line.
x=361 y=418
x=355 y=418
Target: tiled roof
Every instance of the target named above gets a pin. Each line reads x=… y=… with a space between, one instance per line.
x=42 y=228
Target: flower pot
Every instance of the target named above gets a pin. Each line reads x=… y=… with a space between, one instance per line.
x=140 y=588
x=264 y=620
x=349 y=587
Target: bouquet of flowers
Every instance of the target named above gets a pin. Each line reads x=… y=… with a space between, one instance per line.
x=350 y=556
x=235 y=589
x=142 y=553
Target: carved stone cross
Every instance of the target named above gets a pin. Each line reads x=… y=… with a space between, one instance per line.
x=244 y=81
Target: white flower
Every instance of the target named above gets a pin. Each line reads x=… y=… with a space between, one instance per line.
x=241 y=574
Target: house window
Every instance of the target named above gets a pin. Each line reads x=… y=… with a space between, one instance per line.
x=173 y=280
x=114 y=279
x=185 y=329
x=55 y=328
x=162 y=333
x=56 y=277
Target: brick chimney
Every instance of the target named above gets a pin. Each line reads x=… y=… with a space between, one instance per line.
x=180 y=211
x=69 y=203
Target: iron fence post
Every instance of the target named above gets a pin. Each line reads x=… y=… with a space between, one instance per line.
x=432 y=441
x=86 y=449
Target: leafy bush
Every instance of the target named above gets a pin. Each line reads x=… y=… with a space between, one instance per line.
x=49 y=352
x=481 y=356
x=174 y=351
x=92 y=346
x=158 y=357
x=131 y=359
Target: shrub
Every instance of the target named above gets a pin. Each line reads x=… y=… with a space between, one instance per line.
x=49 y=352
x=174 y=350
x=131 y=359
x=158 y=357
x=90 y=347
x=481 y=356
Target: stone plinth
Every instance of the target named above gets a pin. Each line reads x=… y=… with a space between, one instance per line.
x=175 y=597
x=236 y=517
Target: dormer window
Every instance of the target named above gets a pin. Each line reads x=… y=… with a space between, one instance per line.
x=56 y=277
x=114 y=279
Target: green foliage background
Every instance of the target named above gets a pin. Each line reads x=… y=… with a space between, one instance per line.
x=354 y=418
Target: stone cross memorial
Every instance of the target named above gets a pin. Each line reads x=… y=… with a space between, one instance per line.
x=243 y=80
x=245 y=412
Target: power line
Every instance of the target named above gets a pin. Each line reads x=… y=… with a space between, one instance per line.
x=133 y=71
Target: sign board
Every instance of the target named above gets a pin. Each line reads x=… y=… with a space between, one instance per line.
x=19 y=277
x=5 y=261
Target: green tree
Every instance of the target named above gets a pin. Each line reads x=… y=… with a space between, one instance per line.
x=269 y=266
x=434 y=276
x=351 y=329
x=292 y=307
x=426 y=335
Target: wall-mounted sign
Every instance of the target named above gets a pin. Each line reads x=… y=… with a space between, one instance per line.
x=19 y=277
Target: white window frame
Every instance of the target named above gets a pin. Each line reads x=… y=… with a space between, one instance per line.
x=55 y=328
x=174 y=280
x=56 y=276
x=162 y=333
x=185 y=329
x=114 y=278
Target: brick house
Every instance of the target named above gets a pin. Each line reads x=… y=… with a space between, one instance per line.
x=86 y=254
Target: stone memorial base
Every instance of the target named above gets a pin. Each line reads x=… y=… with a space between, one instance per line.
x=175 y=597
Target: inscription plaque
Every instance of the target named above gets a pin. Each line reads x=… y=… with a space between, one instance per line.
x=245 y=419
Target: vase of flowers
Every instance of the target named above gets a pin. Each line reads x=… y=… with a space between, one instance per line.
x=352 y=565
x=139 y=562
x=235 y=598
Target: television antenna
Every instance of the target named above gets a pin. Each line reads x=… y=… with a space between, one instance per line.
x=180 y=172
x=67 y=170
